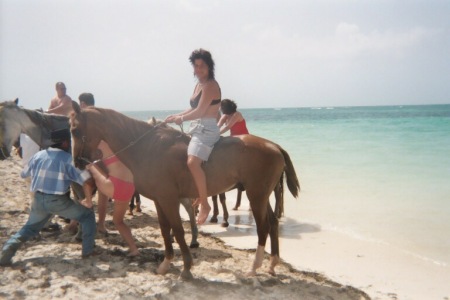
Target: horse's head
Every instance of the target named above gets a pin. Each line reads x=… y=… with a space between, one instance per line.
x=9 y=134
x=85 y=136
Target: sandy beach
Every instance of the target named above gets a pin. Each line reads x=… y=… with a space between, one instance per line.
x=51 y=265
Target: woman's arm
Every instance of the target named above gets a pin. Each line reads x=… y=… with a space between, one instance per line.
x=171 y=118
x=104 y=185
x=222 y=120
x=231 y=121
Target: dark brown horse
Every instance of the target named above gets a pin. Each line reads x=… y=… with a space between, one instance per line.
x=157 y=157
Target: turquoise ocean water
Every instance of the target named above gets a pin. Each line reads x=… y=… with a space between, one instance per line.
x=379 y=174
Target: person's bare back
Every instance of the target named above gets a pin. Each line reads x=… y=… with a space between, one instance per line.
x=61 y=104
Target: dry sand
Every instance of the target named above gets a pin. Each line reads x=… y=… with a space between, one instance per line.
x=51 y=266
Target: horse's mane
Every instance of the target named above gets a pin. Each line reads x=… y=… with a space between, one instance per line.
x=44 y=119
x=36 y=116
x=136 y=127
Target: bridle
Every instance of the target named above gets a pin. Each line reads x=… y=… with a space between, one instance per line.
x=84 y=140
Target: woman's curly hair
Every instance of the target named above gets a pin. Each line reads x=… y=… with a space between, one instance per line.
x=206 y=57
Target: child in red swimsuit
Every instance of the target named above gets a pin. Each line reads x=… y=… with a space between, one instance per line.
x=118 y=185
x=231 y=118
x=235 y=122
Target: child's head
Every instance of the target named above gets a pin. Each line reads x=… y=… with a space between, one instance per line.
x=228 y=106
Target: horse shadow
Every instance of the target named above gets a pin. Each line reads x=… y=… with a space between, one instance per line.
x=244 y=225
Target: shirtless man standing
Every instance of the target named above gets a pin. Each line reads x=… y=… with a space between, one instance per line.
x=61 y=104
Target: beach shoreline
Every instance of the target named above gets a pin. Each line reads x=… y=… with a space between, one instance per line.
x=51 y=266
x=379 y=269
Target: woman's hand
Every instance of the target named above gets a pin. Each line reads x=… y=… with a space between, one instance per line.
x=174 y=119
x=178 y=120
x=170 y=119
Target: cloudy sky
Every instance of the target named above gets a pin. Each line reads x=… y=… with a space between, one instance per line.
x=133 y=55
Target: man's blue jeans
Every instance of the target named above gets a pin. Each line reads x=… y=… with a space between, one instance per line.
x=46 y=205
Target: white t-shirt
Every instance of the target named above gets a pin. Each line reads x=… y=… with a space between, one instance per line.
x=29 y=148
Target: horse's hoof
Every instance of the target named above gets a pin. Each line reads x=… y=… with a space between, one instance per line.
x=236 y=208
x=194 y=245
x=130 y=213
x=213 y=219
x=186 y=275
x=225 y=224
x=139 y=210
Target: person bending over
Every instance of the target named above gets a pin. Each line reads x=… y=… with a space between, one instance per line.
x=231 y=119
x=51 y=172
x=118 y=185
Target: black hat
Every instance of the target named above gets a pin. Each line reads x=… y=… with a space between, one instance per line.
x=60 y=135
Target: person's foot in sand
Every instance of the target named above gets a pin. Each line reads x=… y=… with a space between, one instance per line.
x=101 y=229
x=204 y=210
x=134 y=253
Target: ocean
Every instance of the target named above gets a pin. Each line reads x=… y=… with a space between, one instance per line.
x=375 y=174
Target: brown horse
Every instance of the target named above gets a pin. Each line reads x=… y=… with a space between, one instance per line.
x=157 y=157
x=279 y=203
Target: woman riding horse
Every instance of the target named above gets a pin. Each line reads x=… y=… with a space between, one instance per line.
x=157 y=158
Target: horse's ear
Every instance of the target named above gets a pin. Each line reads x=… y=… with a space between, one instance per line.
x=16 y=101
x=76 y=107
x=153 y=121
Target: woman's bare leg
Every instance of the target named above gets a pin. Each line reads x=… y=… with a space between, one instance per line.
x=101 y=209
x=195 y=166
x=120 y=208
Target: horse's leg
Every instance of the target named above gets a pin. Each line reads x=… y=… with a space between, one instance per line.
x=172 y=219
x=138 y=202
x=279 y=198
x=275 y=250
x=238 y=200
x=130 y=212
x=224 y=208
x=187 y=203
x=215 y=210
x=259 y=200
x=165 y=231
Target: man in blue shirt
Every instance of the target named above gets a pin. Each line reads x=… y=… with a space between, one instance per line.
x=51 y=172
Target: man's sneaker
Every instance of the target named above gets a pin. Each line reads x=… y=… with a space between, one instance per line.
x=95 y=252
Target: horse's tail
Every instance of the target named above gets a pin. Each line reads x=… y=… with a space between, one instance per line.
x=291 y=176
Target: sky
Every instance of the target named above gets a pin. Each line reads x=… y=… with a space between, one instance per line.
x=133 y=55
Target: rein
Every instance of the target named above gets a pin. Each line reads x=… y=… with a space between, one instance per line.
x=131 y=144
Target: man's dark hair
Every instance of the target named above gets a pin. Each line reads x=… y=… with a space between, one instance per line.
x=61 y=139
x=87 y=98
x=206 y=57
